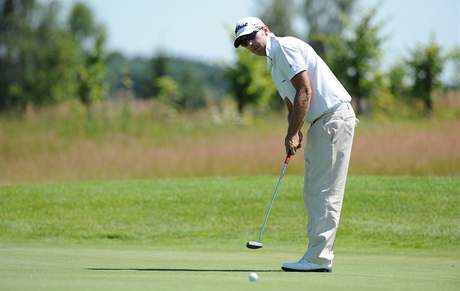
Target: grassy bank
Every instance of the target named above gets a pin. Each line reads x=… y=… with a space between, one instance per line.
x=379 y=212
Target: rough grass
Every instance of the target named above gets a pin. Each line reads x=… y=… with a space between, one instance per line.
x=145 y=140
x=419 y=148
x=379 y=212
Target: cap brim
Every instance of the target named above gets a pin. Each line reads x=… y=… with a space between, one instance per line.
x=237 y=41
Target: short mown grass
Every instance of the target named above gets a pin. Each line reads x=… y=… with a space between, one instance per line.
x=51 y=268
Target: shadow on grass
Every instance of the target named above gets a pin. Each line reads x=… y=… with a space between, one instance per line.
x=180 y=270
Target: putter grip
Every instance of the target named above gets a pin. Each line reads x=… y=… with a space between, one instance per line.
x=286 y=161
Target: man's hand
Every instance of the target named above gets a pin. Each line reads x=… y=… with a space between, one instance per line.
x=293 y=143
x=300 y=139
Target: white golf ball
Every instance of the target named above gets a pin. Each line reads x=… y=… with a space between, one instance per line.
x=253 y=277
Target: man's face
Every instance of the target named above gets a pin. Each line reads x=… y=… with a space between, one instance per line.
x=256 y=42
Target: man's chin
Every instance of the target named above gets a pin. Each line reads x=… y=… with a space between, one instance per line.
x=259 y=52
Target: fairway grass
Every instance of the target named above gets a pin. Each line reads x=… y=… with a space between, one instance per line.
x=96 y=268
x=378 y=212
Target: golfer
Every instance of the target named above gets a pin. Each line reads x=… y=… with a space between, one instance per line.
x=314 y=95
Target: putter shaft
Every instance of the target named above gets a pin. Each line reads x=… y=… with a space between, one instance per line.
x=286 y=161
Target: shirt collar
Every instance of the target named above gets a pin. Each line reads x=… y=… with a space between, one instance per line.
x=268 y=49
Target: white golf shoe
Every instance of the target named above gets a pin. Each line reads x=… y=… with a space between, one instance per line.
x=305 y=266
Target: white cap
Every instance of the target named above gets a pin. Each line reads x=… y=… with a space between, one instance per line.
x=247 y=26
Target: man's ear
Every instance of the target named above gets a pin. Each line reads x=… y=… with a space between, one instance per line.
x=266 y=29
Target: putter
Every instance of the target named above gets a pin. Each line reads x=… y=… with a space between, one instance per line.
x=258 y=244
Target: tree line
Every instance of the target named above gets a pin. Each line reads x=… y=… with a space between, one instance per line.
x=45 y=59
x=350 y=41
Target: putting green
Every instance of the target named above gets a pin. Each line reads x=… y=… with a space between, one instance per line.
x=133 y=268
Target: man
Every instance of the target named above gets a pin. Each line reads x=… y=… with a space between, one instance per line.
x=313 y=94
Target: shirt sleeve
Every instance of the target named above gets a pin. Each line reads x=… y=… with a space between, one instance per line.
x=291 y=61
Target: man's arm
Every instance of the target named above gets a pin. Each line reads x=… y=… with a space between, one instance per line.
x=298 y=110
x=289 y=107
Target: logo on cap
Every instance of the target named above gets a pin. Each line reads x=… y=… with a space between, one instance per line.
x=240 y=26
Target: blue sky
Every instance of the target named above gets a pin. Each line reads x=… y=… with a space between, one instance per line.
x=200 y=28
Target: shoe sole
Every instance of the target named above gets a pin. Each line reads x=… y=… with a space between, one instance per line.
x=321 y=270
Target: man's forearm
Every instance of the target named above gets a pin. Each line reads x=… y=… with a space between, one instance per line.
x=298 y=112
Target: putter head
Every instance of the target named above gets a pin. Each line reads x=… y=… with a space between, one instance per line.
x=254 y=245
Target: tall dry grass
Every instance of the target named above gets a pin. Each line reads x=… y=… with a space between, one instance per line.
x=147 y=141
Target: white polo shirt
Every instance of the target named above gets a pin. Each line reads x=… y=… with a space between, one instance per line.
x=288 y=56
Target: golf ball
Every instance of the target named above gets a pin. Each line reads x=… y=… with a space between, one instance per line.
x=253 y=277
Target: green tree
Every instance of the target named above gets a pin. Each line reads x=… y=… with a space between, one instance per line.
x=16 y=48
x=426 y=64
x=92 y=75
x=326 y=19
x=126 y=81
x=41 y=59
x=53 y=77
x=81 y=21
x=168 y=90
x=250 y=82
x=278 y=15
x=454 y=57
x=356 y=60
x=396 y=80
x=90 y=37
x=40 y=55
x=192 y=91
x=159 y=67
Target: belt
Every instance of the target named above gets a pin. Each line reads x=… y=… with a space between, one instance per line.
x=340 y=106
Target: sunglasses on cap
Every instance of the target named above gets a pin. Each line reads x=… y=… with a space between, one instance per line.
x=245 y=39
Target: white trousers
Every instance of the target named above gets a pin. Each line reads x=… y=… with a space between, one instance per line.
x=327 y=155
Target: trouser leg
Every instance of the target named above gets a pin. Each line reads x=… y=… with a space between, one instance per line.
x=327 y=156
